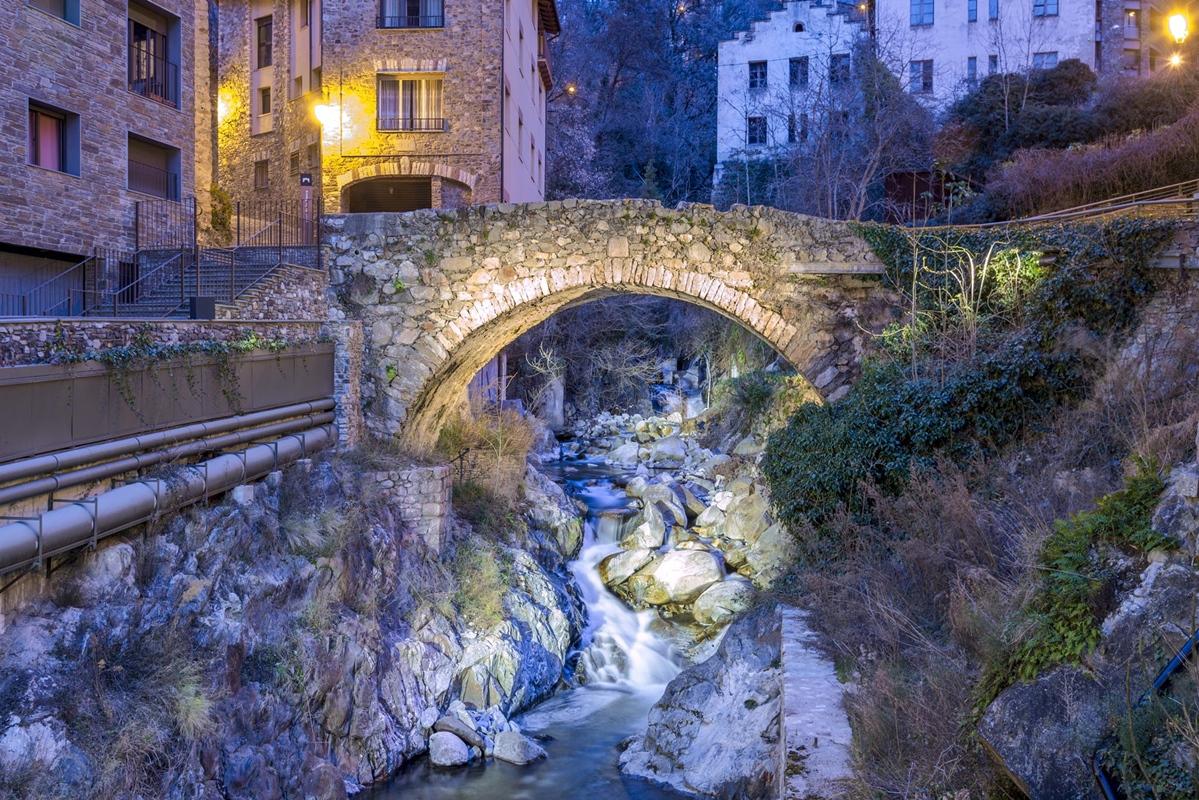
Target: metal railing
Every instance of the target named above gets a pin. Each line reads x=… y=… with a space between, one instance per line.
x=410 y=123
x=54 y=297
x=410 y=21
x=152 y=75
x=149 y=179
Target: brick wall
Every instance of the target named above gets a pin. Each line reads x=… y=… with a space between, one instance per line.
x=84 y=70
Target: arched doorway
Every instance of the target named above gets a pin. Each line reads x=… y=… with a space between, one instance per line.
x=388 y=194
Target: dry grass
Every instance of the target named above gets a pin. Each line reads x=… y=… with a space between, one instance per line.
x=489 y=447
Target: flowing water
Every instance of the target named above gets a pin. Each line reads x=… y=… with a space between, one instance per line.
x=627 y=660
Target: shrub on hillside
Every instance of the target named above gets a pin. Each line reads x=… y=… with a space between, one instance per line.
x=1042 y=180
x=488 y=447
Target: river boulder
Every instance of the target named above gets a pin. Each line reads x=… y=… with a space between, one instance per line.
x=770 y=556
x=680 y=576
x=668 y=502
x=646 y=528
x=626 y=453
x=747 y=518
x=447 y=750
x=721 y=602
x=619 y=567
x=668 y=451
x=516 y=748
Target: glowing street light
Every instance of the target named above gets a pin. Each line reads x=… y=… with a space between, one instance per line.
x=571 y=89
x=327 y=114
x=1179 y=26
x=1176 y=59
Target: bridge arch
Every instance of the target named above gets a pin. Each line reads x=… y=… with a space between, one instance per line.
x=405 y=183
x=440 y=293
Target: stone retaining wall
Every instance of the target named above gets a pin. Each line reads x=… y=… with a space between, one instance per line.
x=37 y=341
x=290 y=292
x=421 y=499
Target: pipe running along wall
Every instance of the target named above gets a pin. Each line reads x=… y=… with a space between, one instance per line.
x=82 y=522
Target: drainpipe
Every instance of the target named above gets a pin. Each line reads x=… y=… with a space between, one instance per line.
x=83 y=522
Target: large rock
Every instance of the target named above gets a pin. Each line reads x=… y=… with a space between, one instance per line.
x=549 y=509
x=668 y=451
x=625 y=453
x=715 y=730
x=770 y=556
x=516 y=748
x=447 y=750
x=461 y=729
x=747 y=518
x=680 y=576
x=669 y=503
x=721 y=602
x=619 y=567
x=647 y=528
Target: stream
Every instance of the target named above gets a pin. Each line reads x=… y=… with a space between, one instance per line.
x=627 y=659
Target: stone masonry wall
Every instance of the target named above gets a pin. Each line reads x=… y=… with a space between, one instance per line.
x=36 y=341
x=288 y=293
x=421 y=498
x=83 y=70
x=440 y=293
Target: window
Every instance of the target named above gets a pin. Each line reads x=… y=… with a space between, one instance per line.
x=63 y=9
x=992 y=64
x=153 y=168
x=757 y=75
x=53 y=139
x=264 y=100
x=922 y=12
x=839 y=69
x=755 y=134
x=972 y=70
x=1044 y=8
x=262 y=174
x=1044 y=60
x=410 y=104
x=411 y=14
x=293 y=163
x=153 y=65
x=992 y=9
x=305 y=13
x=920 y=79
x=972 y=10
x=314 y=155
x=798 y=27
x=265 y=31
x=1132 y=25
x=1131 y=60
x=797 y=128
x=799 y=72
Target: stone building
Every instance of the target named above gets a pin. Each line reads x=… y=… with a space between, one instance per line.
x=101 y=105
x=384 y=105
x=782 y=76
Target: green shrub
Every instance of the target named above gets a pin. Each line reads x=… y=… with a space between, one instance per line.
x=483 y=574
x=1062 y=618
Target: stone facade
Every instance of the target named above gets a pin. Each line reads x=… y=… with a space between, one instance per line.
x=37 y=341
x=420 y=497
x=441 y=293
x=83 y=70
x=467 y=162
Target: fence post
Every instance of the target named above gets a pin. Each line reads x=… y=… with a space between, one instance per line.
x=232 y=276
x=182 y=281
x=279 y=237
x=137 y=225
x=237 y=211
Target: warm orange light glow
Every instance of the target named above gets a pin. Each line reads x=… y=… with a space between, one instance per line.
x=1176 y=59
x=1180 y=27
x=571 y=88
x=327 y=114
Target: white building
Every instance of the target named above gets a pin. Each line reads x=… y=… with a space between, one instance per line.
x=776 y=79
x=770 y=76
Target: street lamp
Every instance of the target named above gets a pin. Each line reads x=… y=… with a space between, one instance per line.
x=1179 y=27
x=326 y=114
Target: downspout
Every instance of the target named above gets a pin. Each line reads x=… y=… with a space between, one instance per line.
x=83 y=522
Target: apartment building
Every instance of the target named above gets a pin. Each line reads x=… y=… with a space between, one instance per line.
x=783 y=76
x=770 y=75
x=101 y=106
x=942 y=48
x=384 y=105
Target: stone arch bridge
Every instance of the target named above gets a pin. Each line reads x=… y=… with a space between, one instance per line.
x=440 y=293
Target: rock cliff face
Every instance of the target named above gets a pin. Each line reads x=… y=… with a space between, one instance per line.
x=300 y=644
x=715 y=731
x=1045 y=732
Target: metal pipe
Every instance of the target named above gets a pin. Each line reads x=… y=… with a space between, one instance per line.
x=108 y=469
x=27 y=542
x=56 y=462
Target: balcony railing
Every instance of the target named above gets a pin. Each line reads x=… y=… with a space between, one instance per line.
x=148 y=179
x=408 y=21
x=411 y=123
x=153 y=76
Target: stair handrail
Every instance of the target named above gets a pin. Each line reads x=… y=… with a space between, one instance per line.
x=27 y=297
x=114 y=303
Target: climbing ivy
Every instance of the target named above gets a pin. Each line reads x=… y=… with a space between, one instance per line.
x=1061 y=621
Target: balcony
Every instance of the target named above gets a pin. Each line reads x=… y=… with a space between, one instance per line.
x=411 y=124
x=153 y=76
x=152 y=180
x=409 y=21
x=543 y=62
